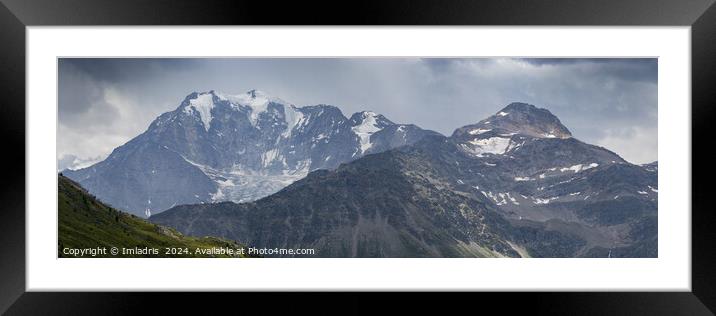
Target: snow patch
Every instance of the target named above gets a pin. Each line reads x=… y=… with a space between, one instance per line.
x=365 y=129
x=478 y=131
x=202 y=104
x=492 y=145
x=512 y=199
x=543 y=201
x=501 y=198
x=579 y=167
x=269 y=156
x=224 y=185
x=294 y=118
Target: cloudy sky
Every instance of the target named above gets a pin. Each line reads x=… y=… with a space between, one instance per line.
x=103 y=103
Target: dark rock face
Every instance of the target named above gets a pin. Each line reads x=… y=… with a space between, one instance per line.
x=219 y=147
x=513 y=190
x=368 y=208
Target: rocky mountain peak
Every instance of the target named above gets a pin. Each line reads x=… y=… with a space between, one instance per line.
x=521 y=107
x=370 y=117
x=519 y=118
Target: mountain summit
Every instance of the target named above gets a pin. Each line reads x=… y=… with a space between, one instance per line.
x=514 y=126
x=238 y=147
x=519 y=118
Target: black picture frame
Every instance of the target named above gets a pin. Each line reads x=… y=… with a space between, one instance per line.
x=15 y=15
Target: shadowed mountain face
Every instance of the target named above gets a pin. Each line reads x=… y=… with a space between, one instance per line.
x=515 y=184
x=220 y=147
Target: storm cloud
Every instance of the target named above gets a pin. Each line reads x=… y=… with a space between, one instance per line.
x=103 y=102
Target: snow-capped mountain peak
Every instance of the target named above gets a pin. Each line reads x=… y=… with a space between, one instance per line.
x=253 y=102
x=252 y=98
x=365 y=124
x=370 y=118
x=256 y=101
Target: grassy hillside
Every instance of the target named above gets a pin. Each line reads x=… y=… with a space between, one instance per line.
x=87 y=223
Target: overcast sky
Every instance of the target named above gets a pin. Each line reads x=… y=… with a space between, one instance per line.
x=103 y=103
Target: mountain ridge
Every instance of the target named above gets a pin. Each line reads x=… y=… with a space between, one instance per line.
x=510 y=192
x=217 y=146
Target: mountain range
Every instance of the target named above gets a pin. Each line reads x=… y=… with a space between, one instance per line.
x=516 y=184
x=219 y=147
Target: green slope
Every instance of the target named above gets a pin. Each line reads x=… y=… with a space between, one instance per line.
x=87 y=223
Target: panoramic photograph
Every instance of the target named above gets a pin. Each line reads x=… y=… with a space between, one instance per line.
x=390 y=157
